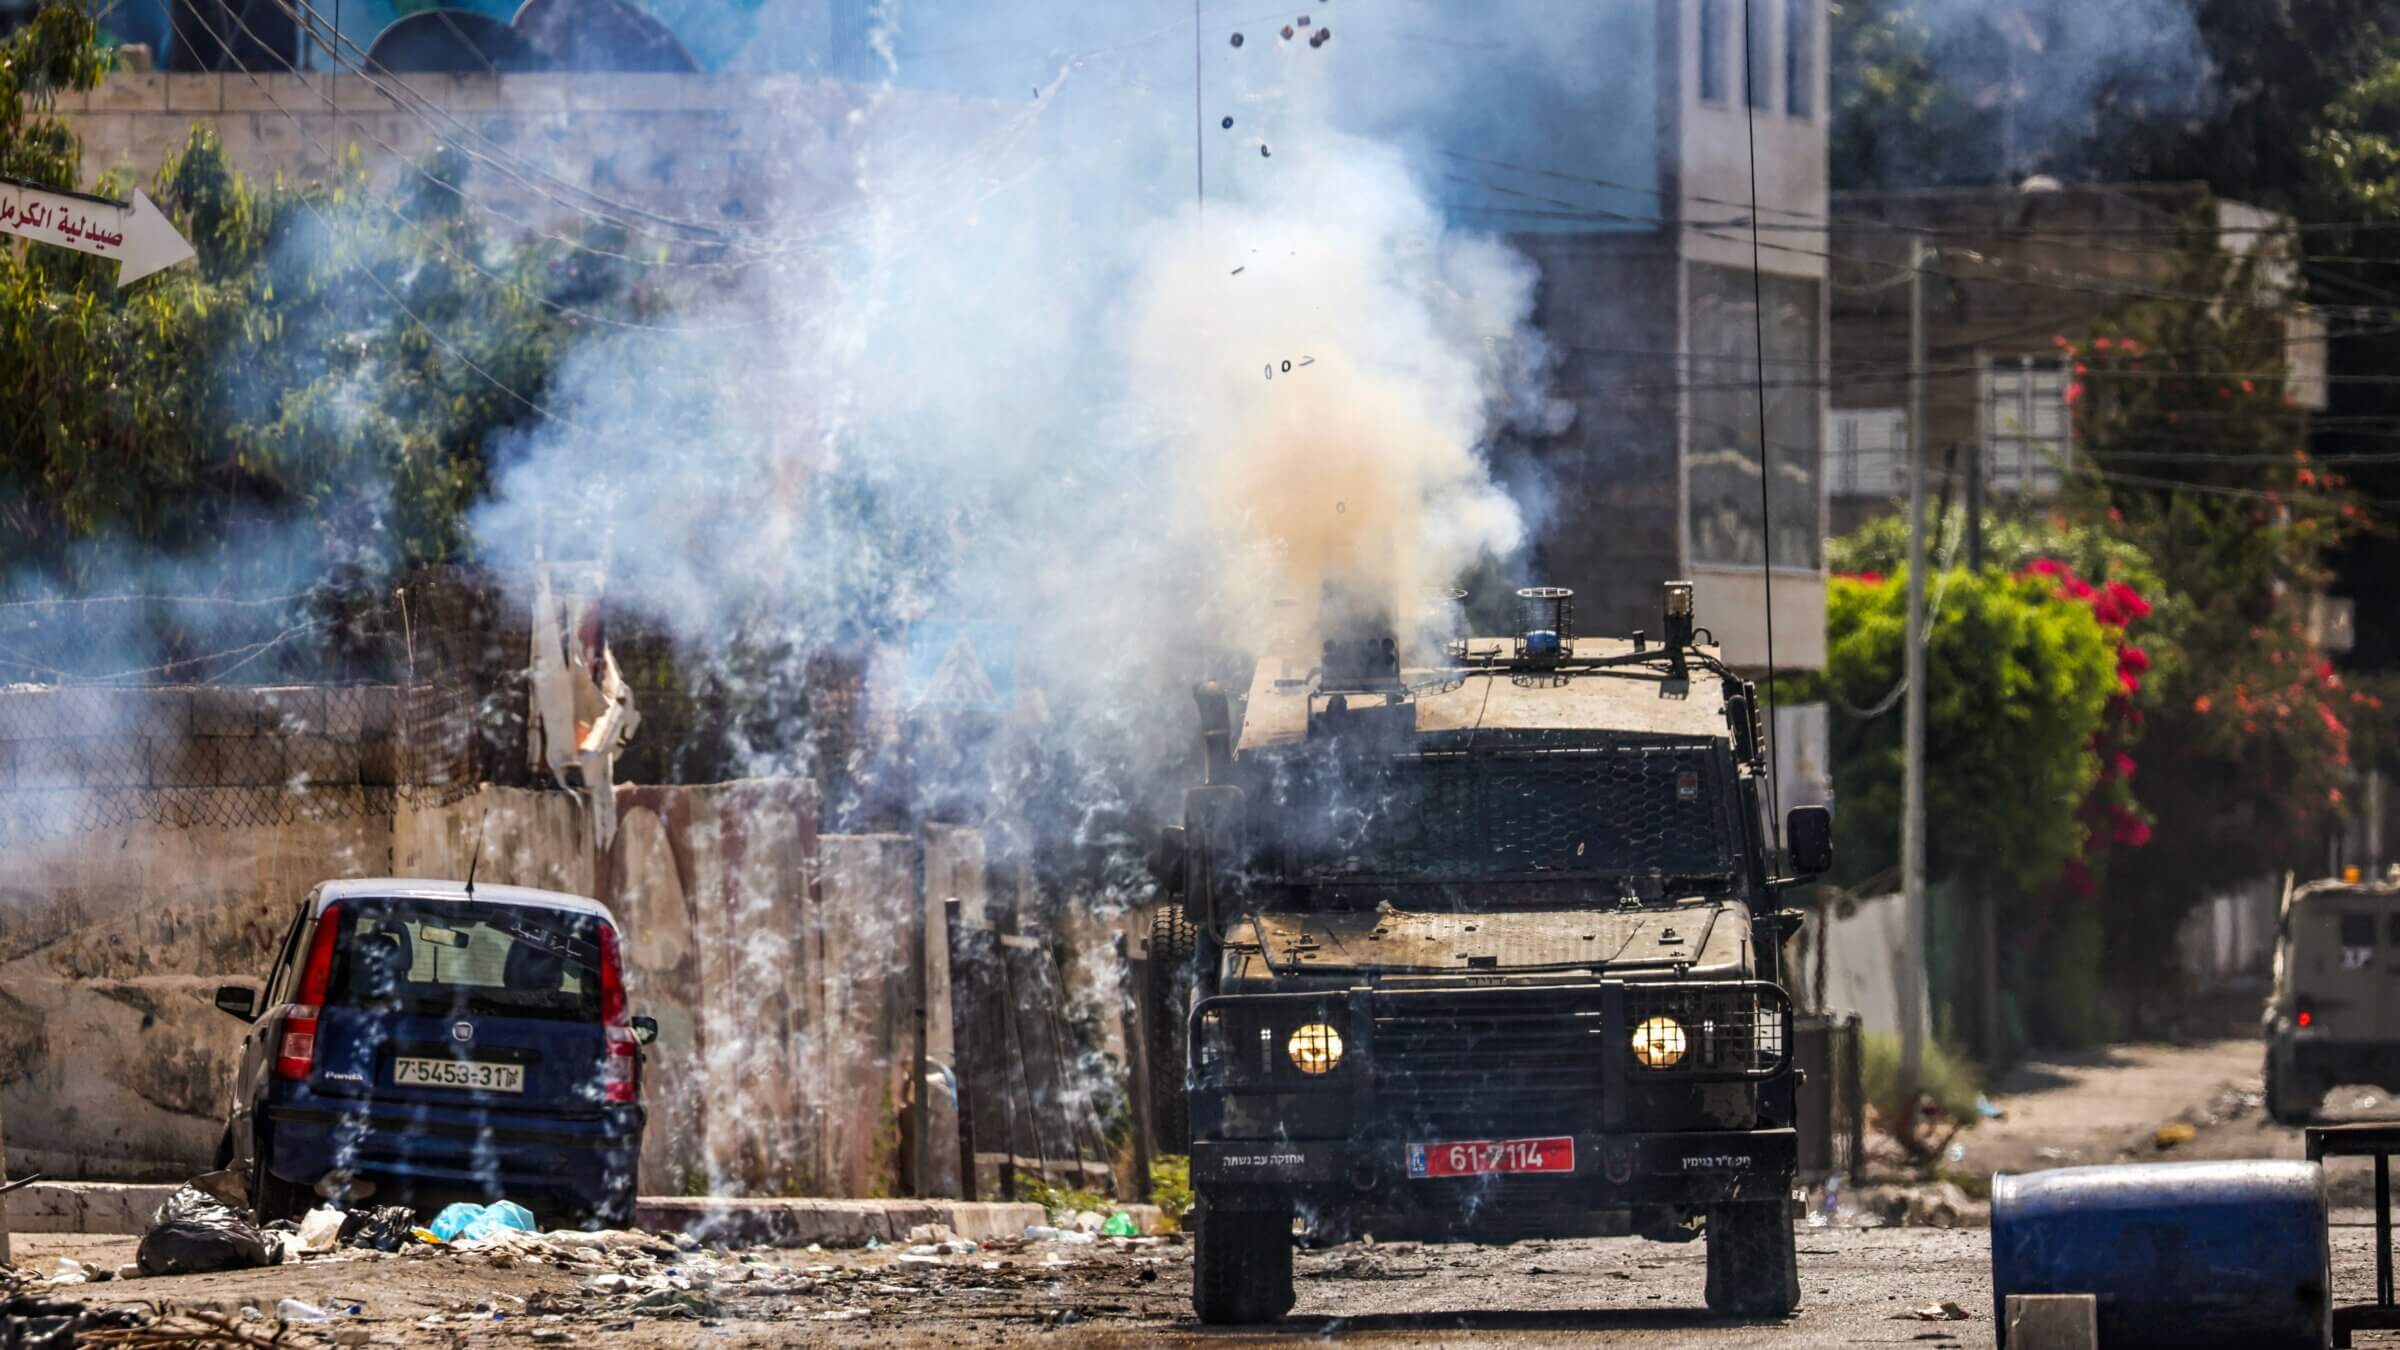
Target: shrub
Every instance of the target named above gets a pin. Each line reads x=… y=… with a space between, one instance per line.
x=1948 y=1080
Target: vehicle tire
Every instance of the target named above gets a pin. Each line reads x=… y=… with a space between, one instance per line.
x=1241 y=1265
x=1166 y=1003
x=1753 y=1264
x=273 y=1198
x=2288 y=1095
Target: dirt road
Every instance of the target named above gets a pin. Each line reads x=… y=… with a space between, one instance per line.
x=1859 y=1283
x=1859 y=1286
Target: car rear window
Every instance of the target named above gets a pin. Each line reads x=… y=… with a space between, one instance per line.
x=440 y=959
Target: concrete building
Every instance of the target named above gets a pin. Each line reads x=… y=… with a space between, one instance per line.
x=1653 y=293
x=2014 y=268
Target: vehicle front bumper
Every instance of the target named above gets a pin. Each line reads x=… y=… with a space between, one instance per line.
x=1611 y=1171
x=588 y=1158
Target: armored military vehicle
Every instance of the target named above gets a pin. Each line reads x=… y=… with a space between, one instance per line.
x=1481 y=946
x=2333 y=1015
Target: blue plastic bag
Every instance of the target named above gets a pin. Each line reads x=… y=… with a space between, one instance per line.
x=463 y=1222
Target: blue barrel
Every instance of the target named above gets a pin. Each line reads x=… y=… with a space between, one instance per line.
x=2179 y=1254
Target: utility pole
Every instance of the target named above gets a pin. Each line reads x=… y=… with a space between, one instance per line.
x=1912 y=804
x=1975 y=504
x=3 y=1197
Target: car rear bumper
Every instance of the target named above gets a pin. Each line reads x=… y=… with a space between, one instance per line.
x=572 y=1159
x=1350 y=1186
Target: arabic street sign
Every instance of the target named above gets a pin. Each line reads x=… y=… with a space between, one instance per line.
x=136 y=233
x=961 y=666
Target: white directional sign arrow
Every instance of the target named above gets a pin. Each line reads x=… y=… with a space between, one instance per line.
x=136 y=233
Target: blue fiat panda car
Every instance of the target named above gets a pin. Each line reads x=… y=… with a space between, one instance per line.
x=439 y=1038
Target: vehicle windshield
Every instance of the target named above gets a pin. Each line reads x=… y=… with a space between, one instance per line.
x=441 y=959
x=1516 y=816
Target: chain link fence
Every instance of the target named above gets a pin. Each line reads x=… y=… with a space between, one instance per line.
x=188 y=712
x=343 y=700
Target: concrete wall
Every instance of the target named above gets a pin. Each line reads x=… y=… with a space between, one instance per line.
x=708 y=148
x=776 y=963
x=1861 y=960
x=113 y=1059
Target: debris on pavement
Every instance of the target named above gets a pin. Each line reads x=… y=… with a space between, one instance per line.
x=194 y=1232
x=321 y=1229
x=469 y=1222
x=1944 y=1311
x=296 y=1310
x=2176 y=1133
x=59 y=1324
x=384 y=1228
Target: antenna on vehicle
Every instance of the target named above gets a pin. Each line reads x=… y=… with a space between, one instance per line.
x=475 y=859
x=1766 y=459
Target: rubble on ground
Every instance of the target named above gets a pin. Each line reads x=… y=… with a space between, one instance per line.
x=1905 y=1204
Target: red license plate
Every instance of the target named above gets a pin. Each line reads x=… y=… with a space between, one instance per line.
x=1481 y=1157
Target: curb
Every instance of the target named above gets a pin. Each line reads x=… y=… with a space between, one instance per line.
x=116 y=1207
x=82 y=1206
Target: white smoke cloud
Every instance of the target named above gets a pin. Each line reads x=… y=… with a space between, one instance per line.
x=1025 y=378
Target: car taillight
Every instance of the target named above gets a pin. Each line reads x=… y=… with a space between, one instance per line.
x=617 y=1065
x=296 y=1052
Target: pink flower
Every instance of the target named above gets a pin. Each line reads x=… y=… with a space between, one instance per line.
x=2133 y=659
x=2125 y=765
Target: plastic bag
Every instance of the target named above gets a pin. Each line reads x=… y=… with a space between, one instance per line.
x=463 y=1222
x=1120 y=1224
x=194 y=1232
x=385 y=1228
x=321 y=1229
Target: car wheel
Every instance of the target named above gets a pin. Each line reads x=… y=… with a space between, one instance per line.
x=1241 y=1264
x=271 y=1197
x=1753 y=1264
x=1166 y=990
x=2288 y=1098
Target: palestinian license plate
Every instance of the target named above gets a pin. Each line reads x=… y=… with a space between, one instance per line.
x=1481 y=1157
x=479 y=1075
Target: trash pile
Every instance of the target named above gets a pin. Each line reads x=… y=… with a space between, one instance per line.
x=617 y=1276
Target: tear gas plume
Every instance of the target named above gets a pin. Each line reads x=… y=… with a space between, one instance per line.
x=1049 y=390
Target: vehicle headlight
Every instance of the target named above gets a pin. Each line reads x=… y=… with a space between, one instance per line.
x=1315 y=1048
x=1659 y=1043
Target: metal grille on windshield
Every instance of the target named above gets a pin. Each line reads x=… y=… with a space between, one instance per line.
x=1502 y=815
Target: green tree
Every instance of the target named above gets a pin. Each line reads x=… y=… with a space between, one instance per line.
x=319 y=392
x=2015 y=685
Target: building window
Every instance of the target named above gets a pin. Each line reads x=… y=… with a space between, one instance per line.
x=1869 y=450
x=1799 y=57
x=1712 y=50
x=1758 y=40
x=2027 y=438
x=1726 y=457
